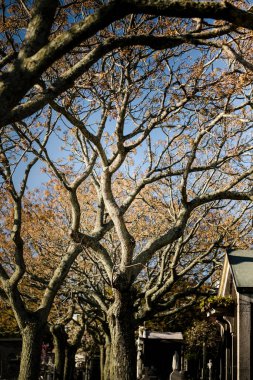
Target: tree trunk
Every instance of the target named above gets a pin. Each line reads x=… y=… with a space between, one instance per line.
x=60 y=343
x=32 y=336
x=123 y=350
x=107 y=360
x=70 y=362
x=102 y=361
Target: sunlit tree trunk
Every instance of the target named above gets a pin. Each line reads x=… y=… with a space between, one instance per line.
x=32 y=336
x=123 y=351
x=106 y=363
x=60 y=343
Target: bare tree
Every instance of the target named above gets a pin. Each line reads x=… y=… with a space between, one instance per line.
x=140 y=122
x=35 y=37
x=175 y=131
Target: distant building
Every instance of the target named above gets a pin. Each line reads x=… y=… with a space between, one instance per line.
x=237 y=325
x=10 y=349
x=155 y=351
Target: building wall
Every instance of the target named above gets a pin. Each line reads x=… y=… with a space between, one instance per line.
x=10 y=350
x=244 y=342
x=237 y=365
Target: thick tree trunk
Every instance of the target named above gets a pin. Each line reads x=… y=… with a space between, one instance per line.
x=69 y=369
x=32 y=336
x=102 y=361
x=60 y=344
x=107 y=360
x=123 y=351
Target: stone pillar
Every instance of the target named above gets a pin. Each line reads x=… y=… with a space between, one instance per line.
x=227 y=354
x=231 y=320
x=140 y=349
x=228 y=333
x=234 y=356
x=243 y=337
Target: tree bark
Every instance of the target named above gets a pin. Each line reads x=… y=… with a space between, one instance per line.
x=60 y=344
x=102 y=361
x=32 y=336
x=123 y=350
x=106 y=365
x=70 y=362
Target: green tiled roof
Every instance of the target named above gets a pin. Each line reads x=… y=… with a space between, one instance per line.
x=241 y=263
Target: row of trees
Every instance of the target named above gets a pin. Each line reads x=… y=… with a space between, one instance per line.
x=143 y=128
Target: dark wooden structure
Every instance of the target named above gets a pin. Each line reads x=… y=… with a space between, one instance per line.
x=10 y=349
x=155 y=353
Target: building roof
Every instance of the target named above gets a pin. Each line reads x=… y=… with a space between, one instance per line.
x=241 y=264
x=170 y=336
x=165 y=335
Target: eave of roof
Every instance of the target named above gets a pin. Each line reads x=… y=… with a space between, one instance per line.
x=170 y=336
x=241 y=264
